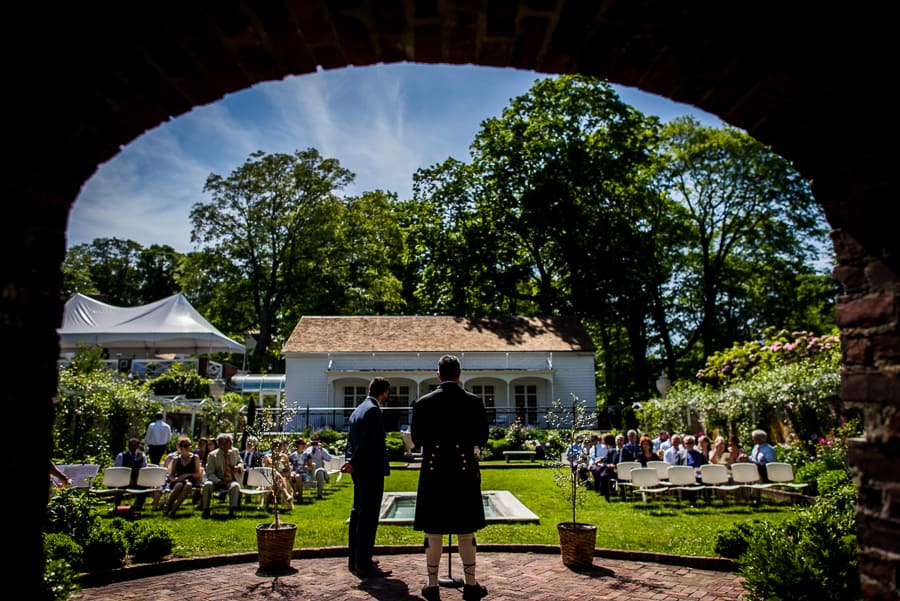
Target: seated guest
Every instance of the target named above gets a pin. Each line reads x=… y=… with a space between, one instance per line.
x=661 y=443
x=184 y=474
x=299 y=468
x=692 y=455
x=646 y=453
x=674 y=455
x=704 y=445
x=605 y=474
x=596 y=457
x=135 y=459
x=316 y=456
x=224 y=473
x=202 y=450
x=719 y=450
x=281 y=469
x=735 y=453
x=251 y=456
x=630 y=449
x=762 y=453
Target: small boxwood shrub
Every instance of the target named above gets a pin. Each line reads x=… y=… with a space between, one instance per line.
x=62 y=546
x=731 y=542
x=149 y=542
x=105 y=547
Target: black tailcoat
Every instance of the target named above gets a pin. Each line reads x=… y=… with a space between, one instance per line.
x=448 y=424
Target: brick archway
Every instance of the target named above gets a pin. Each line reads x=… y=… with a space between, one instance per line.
x=84 y=79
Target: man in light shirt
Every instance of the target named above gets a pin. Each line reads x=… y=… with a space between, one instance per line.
x=158 y=435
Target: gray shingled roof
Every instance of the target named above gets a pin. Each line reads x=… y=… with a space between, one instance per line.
x=321 y=334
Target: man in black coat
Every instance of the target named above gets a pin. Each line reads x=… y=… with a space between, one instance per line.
x=449 y=424
x=367 y=463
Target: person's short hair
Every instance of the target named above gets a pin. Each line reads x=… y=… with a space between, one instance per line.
x=299 y=441
x=378 y=385
x=448 y=367
x=158 y=415
x=222 y=437
x=609 y=439
x=759 y=434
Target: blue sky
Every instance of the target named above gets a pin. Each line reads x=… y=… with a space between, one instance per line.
x=382 y=123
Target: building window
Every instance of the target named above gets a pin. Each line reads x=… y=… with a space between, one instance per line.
x=354 y=395
x=526 y=403
x=486 y=392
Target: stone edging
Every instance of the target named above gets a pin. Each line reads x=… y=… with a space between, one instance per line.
x=145 y=570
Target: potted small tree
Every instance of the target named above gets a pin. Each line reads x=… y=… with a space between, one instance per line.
x=577 y=541
x=274 y=540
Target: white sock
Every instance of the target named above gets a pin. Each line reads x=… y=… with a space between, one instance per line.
x=467 y=556
x=433 y=547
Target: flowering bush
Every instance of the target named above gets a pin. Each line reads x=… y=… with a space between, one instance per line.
x=810 y=557
x=777 y=348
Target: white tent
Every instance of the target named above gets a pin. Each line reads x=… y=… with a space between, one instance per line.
x=170 y=325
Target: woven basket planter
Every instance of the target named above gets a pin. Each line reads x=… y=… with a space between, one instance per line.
x=276 y=546
x=577 y=543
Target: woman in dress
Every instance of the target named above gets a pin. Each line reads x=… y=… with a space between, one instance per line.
x=719 y=452
x=184 y=475
x=735 y=453
x=646 y=453
x=704 y=445
x=280 y=462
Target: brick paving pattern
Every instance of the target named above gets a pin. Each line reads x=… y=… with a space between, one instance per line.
x=509 y=576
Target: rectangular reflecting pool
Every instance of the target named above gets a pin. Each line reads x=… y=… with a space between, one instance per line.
x=499 y=506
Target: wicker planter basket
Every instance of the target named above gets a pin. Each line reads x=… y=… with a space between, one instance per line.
x=276 y=546
x=577 y=543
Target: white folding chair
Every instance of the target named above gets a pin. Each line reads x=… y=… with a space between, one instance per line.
x=781 y=475
x=662 y=469
x=623 y=476
x=151 y=480
x=682 y=478
x=714 y=476
x=746 y=475
x=645 y=480
x=259 y=484
x=115 y=481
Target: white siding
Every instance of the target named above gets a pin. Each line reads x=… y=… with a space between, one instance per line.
x=317 y=380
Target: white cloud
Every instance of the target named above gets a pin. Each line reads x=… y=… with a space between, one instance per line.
x=382 y=123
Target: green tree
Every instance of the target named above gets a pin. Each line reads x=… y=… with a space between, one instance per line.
x=268 y=224
x=157 y=267
x=751 y=233
x=112 y=265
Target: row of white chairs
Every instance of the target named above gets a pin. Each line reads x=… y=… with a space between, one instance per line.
x=659 y=477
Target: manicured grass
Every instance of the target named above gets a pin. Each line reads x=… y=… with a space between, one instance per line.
x=661 y=526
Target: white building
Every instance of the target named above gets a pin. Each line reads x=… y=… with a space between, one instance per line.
x=518 y=365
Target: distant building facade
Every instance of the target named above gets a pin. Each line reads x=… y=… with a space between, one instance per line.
x=517 y=365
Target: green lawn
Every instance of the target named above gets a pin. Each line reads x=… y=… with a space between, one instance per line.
x=665 y=527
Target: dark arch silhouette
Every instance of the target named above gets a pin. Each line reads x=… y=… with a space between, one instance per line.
x=85 y=79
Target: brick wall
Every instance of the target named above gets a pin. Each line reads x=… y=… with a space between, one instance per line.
x=88 y=78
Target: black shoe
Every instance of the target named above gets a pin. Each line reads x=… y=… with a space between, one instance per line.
x=205 y=515
x=373 y=572
x=231 y=513
x=431 y=593
x=473 y=592
x=319 y=497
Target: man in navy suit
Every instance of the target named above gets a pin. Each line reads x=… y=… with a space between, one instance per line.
x=367 y=463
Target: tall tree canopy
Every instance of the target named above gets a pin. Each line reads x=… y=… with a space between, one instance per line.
x=268 y=223
x=669 y=242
